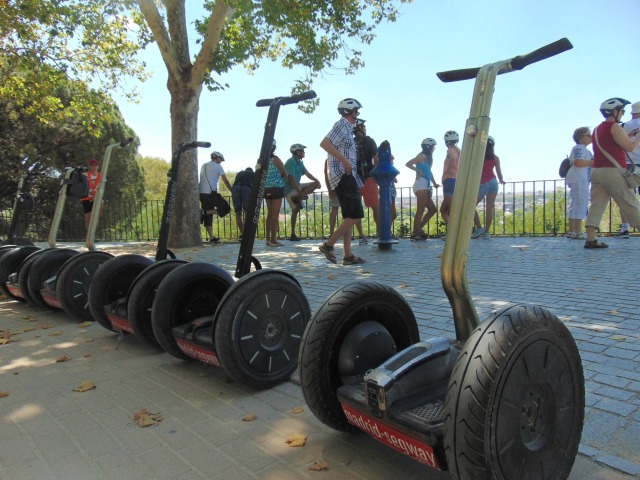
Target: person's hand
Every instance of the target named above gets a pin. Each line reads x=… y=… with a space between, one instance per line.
x=347 y=167
x=436 y=185
x=502 y=181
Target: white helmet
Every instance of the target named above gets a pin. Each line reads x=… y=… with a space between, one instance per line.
x=428 y=142
x=348 y=105
x=490 y=140
x=451 y=136
x=296 y=146
x=217 y=155
x=608 y=106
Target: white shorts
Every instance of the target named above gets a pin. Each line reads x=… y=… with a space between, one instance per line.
x=421 y=184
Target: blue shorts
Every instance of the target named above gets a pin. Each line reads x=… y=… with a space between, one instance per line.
x=489 y=187
x=240 y=197
x=448 y=186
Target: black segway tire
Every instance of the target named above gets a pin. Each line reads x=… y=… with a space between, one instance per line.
x=74 y=280
x=515 y=403
x=44 y=267
x=10 y=262
x=191 y=291
x=111 y=282
x=141 y=295
x=258 y=328
x=25 y=271
x=344 y=310
x=20 y=242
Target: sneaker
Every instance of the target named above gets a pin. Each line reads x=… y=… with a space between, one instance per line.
x=595 y=244
x=214 y=240
x=477 y=232
x=363 y=241
x=294 y=238
x=486 y=235
x=579 y=236
x=570 y=235
x=623 y=234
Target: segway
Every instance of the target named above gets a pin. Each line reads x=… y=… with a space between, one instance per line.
x=122 y=291
x=68 y=288
x=251 y=328
x=18 y=265
x=503 y=400
x=22 y=204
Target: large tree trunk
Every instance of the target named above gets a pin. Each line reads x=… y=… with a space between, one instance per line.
x=185 y=225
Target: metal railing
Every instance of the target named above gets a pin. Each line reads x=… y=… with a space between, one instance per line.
x=530 y=208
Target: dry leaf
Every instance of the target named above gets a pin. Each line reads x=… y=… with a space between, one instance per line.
x=297 y=440
x=297 y=410
x=619 y=338
x=577 y=289
x=614 y=312
x=319 y=465
x=145 y=418
x=85 y=324
x=85 y=386
x=87 y=355
x=331 y=277
x=4 y=394
x=4 y=341
x=46 y=327
x=57 y=332
x=403 y=285
x=249 y=418
x=88 y=339
x=16 y=373
x=62 y=358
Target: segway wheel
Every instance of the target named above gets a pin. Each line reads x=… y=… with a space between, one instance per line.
x=74 y=279
x=515 y=403
x=20 y=242
x=25 y=271
x=141 y=295
x=44 y=267
x=9 y=263
x=259 y=326
x=191 y=291
x=111 y=282
x=324 y=339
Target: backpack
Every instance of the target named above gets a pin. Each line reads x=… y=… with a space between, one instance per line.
x=77 y=185
x=565 y=165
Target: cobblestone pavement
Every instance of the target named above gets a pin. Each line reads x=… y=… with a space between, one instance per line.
x=49 y=431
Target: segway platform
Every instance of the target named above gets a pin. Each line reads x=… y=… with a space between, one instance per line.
x=195 y=339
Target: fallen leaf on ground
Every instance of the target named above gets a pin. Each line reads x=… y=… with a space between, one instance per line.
x=56 y=333
x=4 y=394
x=249 y=418
x=85 y=324
x=297 y=440
x=403 y=285
x=16 y=373
x=297 y=410
x=619 y=338
x=88 y=339
x=319 y=465
x=331 y=277
x=614 y=312
x=87 y=355
x=85 y=386
x=62 y=358
x=5 y=340
x=46 y=327
x=145 y=418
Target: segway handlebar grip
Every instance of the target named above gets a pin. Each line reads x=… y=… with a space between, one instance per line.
x=559 y=46
x=457 y=75
x=308 y=95
x=126 y=142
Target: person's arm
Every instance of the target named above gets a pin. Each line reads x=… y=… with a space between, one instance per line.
x=411 y=164
x=280 y=166
x=623 y=140
x=499 y=171
x=226 y=181
x=311 y=177
x=328 y=147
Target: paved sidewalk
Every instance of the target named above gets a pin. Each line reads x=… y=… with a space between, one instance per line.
x=49 y=431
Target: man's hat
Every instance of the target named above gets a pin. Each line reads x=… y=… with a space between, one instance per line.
x=93 y=161
x=635 y=108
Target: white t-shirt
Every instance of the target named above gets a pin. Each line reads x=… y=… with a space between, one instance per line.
x=628 y=127
x=209 y=176
x=575 y=173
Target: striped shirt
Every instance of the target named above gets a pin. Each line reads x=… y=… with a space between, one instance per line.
x=341 y=136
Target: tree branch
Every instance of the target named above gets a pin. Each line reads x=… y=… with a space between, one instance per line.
x=160 y=35
x=221 y=11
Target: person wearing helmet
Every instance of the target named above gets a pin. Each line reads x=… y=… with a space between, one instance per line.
x=449 y=172
x=273 y=195
x=422 y=164
x=610 y=144
x=240 y=195
x=94 y=177
x=489 y=189
x=294 y=191
x=210 y=173
x=631 y=127
x=343 y=179
x=367 y=158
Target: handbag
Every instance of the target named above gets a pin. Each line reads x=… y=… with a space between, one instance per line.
x=631 y=174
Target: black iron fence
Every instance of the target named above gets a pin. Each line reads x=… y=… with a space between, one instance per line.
x=533 y=208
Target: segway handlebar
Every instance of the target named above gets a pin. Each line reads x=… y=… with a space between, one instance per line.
x=299 y=97
x=126 y=142
x=517 y=63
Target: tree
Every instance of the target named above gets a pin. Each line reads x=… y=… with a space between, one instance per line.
x=308 y=33
x=155 y=176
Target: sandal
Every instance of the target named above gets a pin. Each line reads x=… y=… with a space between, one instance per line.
x=352 y=260
x=328 y=252
x=595 y=244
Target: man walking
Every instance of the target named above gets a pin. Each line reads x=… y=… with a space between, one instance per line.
x=343 y=179
x=294 y=191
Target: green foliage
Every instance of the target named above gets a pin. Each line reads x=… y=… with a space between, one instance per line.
x=154 y=170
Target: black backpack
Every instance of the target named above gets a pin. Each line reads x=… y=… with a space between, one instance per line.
x=77 y=185
x=565 y=165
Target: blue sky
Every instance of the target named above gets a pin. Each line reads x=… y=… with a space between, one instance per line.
x=534 y=111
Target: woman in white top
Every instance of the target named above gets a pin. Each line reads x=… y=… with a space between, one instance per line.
x=578 y=178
